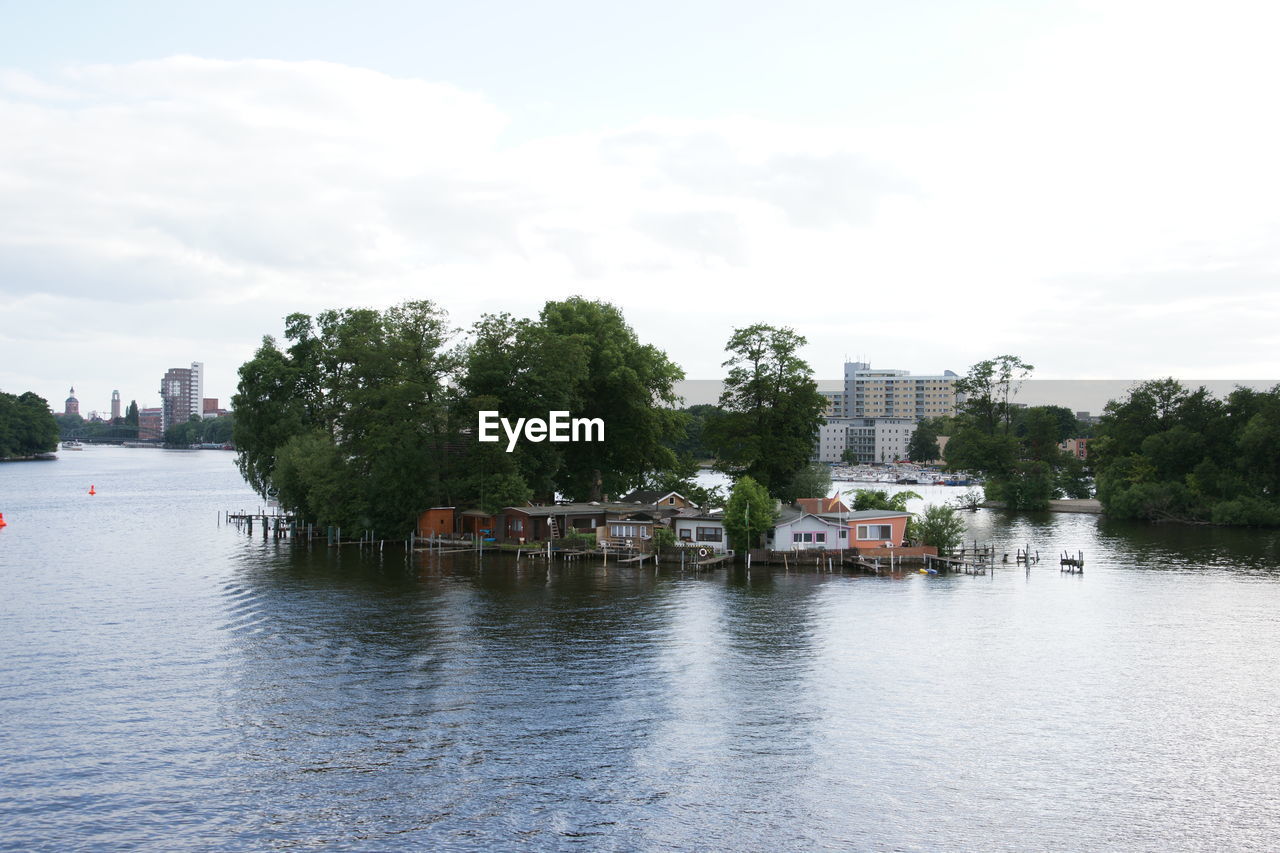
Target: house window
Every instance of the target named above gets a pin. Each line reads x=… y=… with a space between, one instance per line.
x=844 y=534
x=710 y=534
x=820 y=537
x=624 y=530
x=584 y=524
x=516 y=525
x=686 y=535
x=867 y=532
x=801 y=537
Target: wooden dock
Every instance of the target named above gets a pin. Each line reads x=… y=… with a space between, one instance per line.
x=1072 y=565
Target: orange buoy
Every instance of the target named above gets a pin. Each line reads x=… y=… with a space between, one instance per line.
x=91 y=491
x=2 y=521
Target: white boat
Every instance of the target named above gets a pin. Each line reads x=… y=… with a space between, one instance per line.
x=72 y=445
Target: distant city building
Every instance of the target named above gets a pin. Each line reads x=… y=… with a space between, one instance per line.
x=1077 y=447
x=151 y=423
x=868 y=439
x=211 y=409
x=876 y=413
x=872 y=393
x=115 y=405
x=73 y=405
x=181 y=395
x=835 y=404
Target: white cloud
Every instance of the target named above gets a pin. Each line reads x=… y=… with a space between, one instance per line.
x=198 y=201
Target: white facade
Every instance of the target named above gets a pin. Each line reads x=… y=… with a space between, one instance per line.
x=871 y=439
x=703 y=532
x=892 y=437
x=884 y=393
x=833 y=438
x=808 y=532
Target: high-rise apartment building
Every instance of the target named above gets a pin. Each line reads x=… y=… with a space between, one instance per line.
x=883 y=393
x=182 y=394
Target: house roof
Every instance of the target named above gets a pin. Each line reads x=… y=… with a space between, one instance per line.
x=864 y=514
x=788 y=514
x=821 y=505
x=594 y=508
x=649 y=496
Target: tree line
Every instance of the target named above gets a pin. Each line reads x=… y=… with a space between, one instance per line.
x=362 y=418
x=27 y=426
x=1169 y=453
x=123 y=428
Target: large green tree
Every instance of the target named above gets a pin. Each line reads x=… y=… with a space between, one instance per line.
x=369 y=386
x=748 y=514
x=923 y=446
x=579 y=356
x=27 y=427
x=988 y=390
x=772 y=409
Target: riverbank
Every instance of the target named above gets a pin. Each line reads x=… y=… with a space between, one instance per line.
x=1091 y=506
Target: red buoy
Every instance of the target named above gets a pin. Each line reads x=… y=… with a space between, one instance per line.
x=2 y=521
x=91 y=491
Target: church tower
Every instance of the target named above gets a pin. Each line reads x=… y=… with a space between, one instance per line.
x=73 y=405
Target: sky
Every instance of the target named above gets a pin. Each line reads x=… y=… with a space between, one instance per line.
x=1091 y=186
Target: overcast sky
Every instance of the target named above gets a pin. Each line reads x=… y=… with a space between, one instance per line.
x=1091 y=186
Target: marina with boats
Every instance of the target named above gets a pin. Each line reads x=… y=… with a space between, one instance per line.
x=903 y=474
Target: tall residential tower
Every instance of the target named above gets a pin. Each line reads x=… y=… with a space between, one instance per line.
x=182 y=394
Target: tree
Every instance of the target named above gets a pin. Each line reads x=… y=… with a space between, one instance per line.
x=131 y=414
x=580 y=356
x=184 y=434
x=27 y=427
x=681 y=478
x=772 y=409
x=749 y=514
x=373 y=385
x=811 y=481
x=628 y=385
x=864 y=499
x=692 y=443
x=1028 y=486
x=988 y=388
x=923 y=446
x=941 y=527
x=1040 y=429
x=1166 y=453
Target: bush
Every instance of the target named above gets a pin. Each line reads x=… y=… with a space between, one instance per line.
x=1246 y=512
x=941 y=527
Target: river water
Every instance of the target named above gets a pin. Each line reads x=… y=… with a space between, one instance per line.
x=170 y=683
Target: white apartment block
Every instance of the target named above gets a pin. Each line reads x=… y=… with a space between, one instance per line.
x=870 y=439
x=886 y=393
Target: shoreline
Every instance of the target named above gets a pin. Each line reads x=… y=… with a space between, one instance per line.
x=1091 y=506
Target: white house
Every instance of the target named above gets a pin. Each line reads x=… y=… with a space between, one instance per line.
x=796 y=529
x=705 y=531
x=799 y=530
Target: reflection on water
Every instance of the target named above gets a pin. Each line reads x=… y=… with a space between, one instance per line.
x=171 y=683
